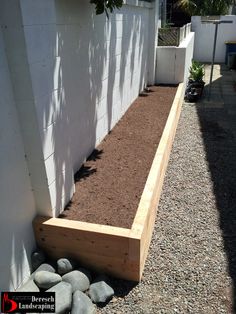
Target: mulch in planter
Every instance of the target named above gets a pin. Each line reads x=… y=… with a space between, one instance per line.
x=110 y=183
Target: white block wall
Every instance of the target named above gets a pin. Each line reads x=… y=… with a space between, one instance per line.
x=173 y=63
x=67 y=76
x=16 y=52
x=17 y=205
x=204 y=38
x=86 y=70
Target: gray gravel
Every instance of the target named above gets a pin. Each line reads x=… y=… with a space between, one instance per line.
x=187 y=267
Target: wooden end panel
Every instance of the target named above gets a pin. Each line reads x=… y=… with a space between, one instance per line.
x=117 y=255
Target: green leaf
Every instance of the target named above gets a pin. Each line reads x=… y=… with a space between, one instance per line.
x=106 y=6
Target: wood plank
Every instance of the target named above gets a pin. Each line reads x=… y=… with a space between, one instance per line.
x=86 y=226
x=157 y=165
x=145 y=217
x=118 y=255
x=166 y=145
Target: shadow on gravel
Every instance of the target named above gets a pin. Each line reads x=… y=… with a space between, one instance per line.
x=218 y=125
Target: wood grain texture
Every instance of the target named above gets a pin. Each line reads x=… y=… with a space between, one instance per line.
x=98 y=247
x=117 y=251
x=145 y=218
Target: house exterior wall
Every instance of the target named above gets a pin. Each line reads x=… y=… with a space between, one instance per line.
x=18 y=63
x=204 y=38
x=71 y=75
x=17 y=201
x=84 y=77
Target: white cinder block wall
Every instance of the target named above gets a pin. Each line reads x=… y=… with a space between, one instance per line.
x=17 y=205
x=86 y=70
x=68 y=76
x=204 y=38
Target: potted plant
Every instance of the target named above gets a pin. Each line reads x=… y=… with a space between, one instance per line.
x=195 y=82
x=192 y=95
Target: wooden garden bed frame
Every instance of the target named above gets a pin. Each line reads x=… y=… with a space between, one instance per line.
x=116 y=251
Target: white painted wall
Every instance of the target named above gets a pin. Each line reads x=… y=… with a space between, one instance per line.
x=67 y=76
x=173 y=63
x=17 y=205
x=15 y=47
x=84 y=77
x=188 y=46
x=204 y=38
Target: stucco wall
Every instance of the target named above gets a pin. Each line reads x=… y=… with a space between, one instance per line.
x=173 y=63
x=17 y=202
x=204 y=38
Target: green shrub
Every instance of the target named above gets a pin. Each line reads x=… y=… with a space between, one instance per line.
x=196 y=71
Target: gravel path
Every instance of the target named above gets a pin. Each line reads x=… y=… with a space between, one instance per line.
x=187 y=267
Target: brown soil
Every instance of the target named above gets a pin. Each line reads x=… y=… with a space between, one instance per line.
x=110 y=183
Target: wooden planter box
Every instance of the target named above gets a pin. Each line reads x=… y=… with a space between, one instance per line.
x=117 y=251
